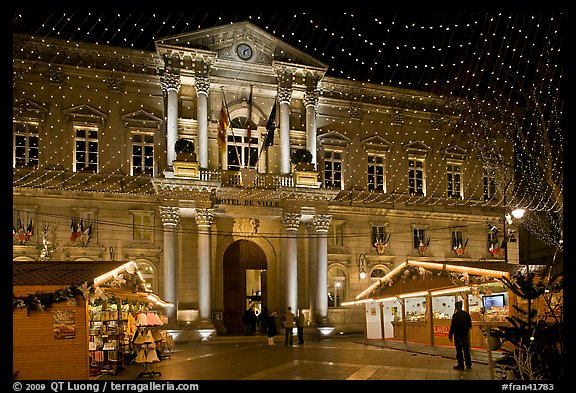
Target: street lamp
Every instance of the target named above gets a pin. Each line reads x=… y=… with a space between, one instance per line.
x=516 y=213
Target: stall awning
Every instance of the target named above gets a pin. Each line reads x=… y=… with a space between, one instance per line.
x=121 y=279
x=412 y=277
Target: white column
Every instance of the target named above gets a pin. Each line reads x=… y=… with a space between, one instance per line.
x=204 y=219
x=311 y=103
x=202 y=84
x=312 y=271
x=321 y=223
x=291 y=223
x=171 y=84
x=170 y=216
x=284 y=96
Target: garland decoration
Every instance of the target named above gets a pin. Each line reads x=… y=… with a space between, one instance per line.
x=42 y=300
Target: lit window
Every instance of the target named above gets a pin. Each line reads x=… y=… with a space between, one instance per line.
x=142 y=225
x=242 y=149
x=419 y=237
x=376 y=173
x=416 y=176
x=142 y=153
x=489 y=183
x=332 y=169
x=454 y=180
x=86 y=149
x=336 y=286
x=25 y=144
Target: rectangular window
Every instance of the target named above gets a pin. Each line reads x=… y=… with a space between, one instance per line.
x=336 y=234
x=26 y=144
x=489 y=183
x=416 y=176
x=241 y=149
x=379 y=234
x=454 y=180
x=86 y=149
x=419 y=234
x=457 y=241
x=376 y=171
x=332 y=169
x=142 y=226
x=142 y=153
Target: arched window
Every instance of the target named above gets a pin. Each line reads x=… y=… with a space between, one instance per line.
x=148 y=273
x=336 y=286
x=377 y=273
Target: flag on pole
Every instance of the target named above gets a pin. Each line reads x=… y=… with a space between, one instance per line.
x=270 y=127
x=73 y=229
x=249 y=120
x=223 y=123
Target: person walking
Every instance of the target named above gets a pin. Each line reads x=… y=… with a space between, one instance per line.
x=288 y=320
x=271 y=327
x=460 y=330
x=300 y=322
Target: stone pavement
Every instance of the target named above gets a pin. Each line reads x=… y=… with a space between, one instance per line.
x=335 y=358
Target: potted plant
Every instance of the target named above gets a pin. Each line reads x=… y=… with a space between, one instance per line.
x=184 y=149
x=185 y=164
x=302 y=160
x=304 y=173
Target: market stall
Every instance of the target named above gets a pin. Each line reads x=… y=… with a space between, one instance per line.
x=415 y=301
x=77 y=320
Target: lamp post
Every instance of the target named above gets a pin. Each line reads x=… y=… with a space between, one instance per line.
x=516 y=213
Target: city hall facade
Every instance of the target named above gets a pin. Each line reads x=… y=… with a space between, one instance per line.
x=98 y=174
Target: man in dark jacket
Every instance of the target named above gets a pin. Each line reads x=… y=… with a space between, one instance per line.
x=460 y=330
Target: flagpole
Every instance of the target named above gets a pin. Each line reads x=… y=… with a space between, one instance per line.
x=231 y=129
x=270 y=121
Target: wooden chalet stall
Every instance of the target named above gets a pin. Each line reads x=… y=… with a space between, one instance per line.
x=415 y=301
x=70 y=318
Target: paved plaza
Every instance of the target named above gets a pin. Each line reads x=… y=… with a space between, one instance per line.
x=338 y=358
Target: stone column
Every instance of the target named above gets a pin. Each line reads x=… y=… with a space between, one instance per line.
x=312 y=271
x=291 y=223
x=284 y=97
x=204 y=219
x=202 y=84
x=171 y=84
x=321 y=224
x=170 y=216
x=311 y=104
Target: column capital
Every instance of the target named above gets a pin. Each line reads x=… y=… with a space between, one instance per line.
x=311 y=99
x=170 y=81
x=204 y=217
x=202 y=84
x=291 y=221
x=284 y=94
x=322 y=222
x=170 y=215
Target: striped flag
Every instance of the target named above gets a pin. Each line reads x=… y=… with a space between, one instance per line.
x=223 y=123
x=270 y=127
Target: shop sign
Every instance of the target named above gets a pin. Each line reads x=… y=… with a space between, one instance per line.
x=441 y=331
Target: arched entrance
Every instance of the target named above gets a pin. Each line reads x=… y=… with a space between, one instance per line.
x=244 y=272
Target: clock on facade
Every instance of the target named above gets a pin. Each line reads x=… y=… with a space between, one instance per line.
x=244 y=51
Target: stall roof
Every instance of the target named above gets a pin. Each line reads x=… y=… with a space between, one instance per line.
x=60 y=272
x=414 y=276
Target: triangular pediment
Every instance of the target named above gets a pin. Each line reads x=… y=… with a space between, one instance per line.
x=454 y=152
x=416 y=147
x=142 y=118
x=26 y=108
x=333 y=138
x=222 y=42
x=86 y=113
x=376 y=142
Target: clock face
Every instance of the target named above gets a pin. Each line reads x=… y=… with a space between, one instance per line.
x=244 y=51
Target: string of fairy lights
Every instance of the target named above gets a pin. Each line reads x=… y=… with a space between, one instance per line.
x=495 y=62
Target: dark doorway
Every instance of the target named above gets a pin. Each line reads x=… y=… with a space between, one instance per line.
x=240 y=257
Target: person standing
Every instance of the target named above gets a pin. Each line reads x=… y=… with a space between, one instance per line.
x=289 y=319
x=460 y=329
x=300 y=322
x=271 y=327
